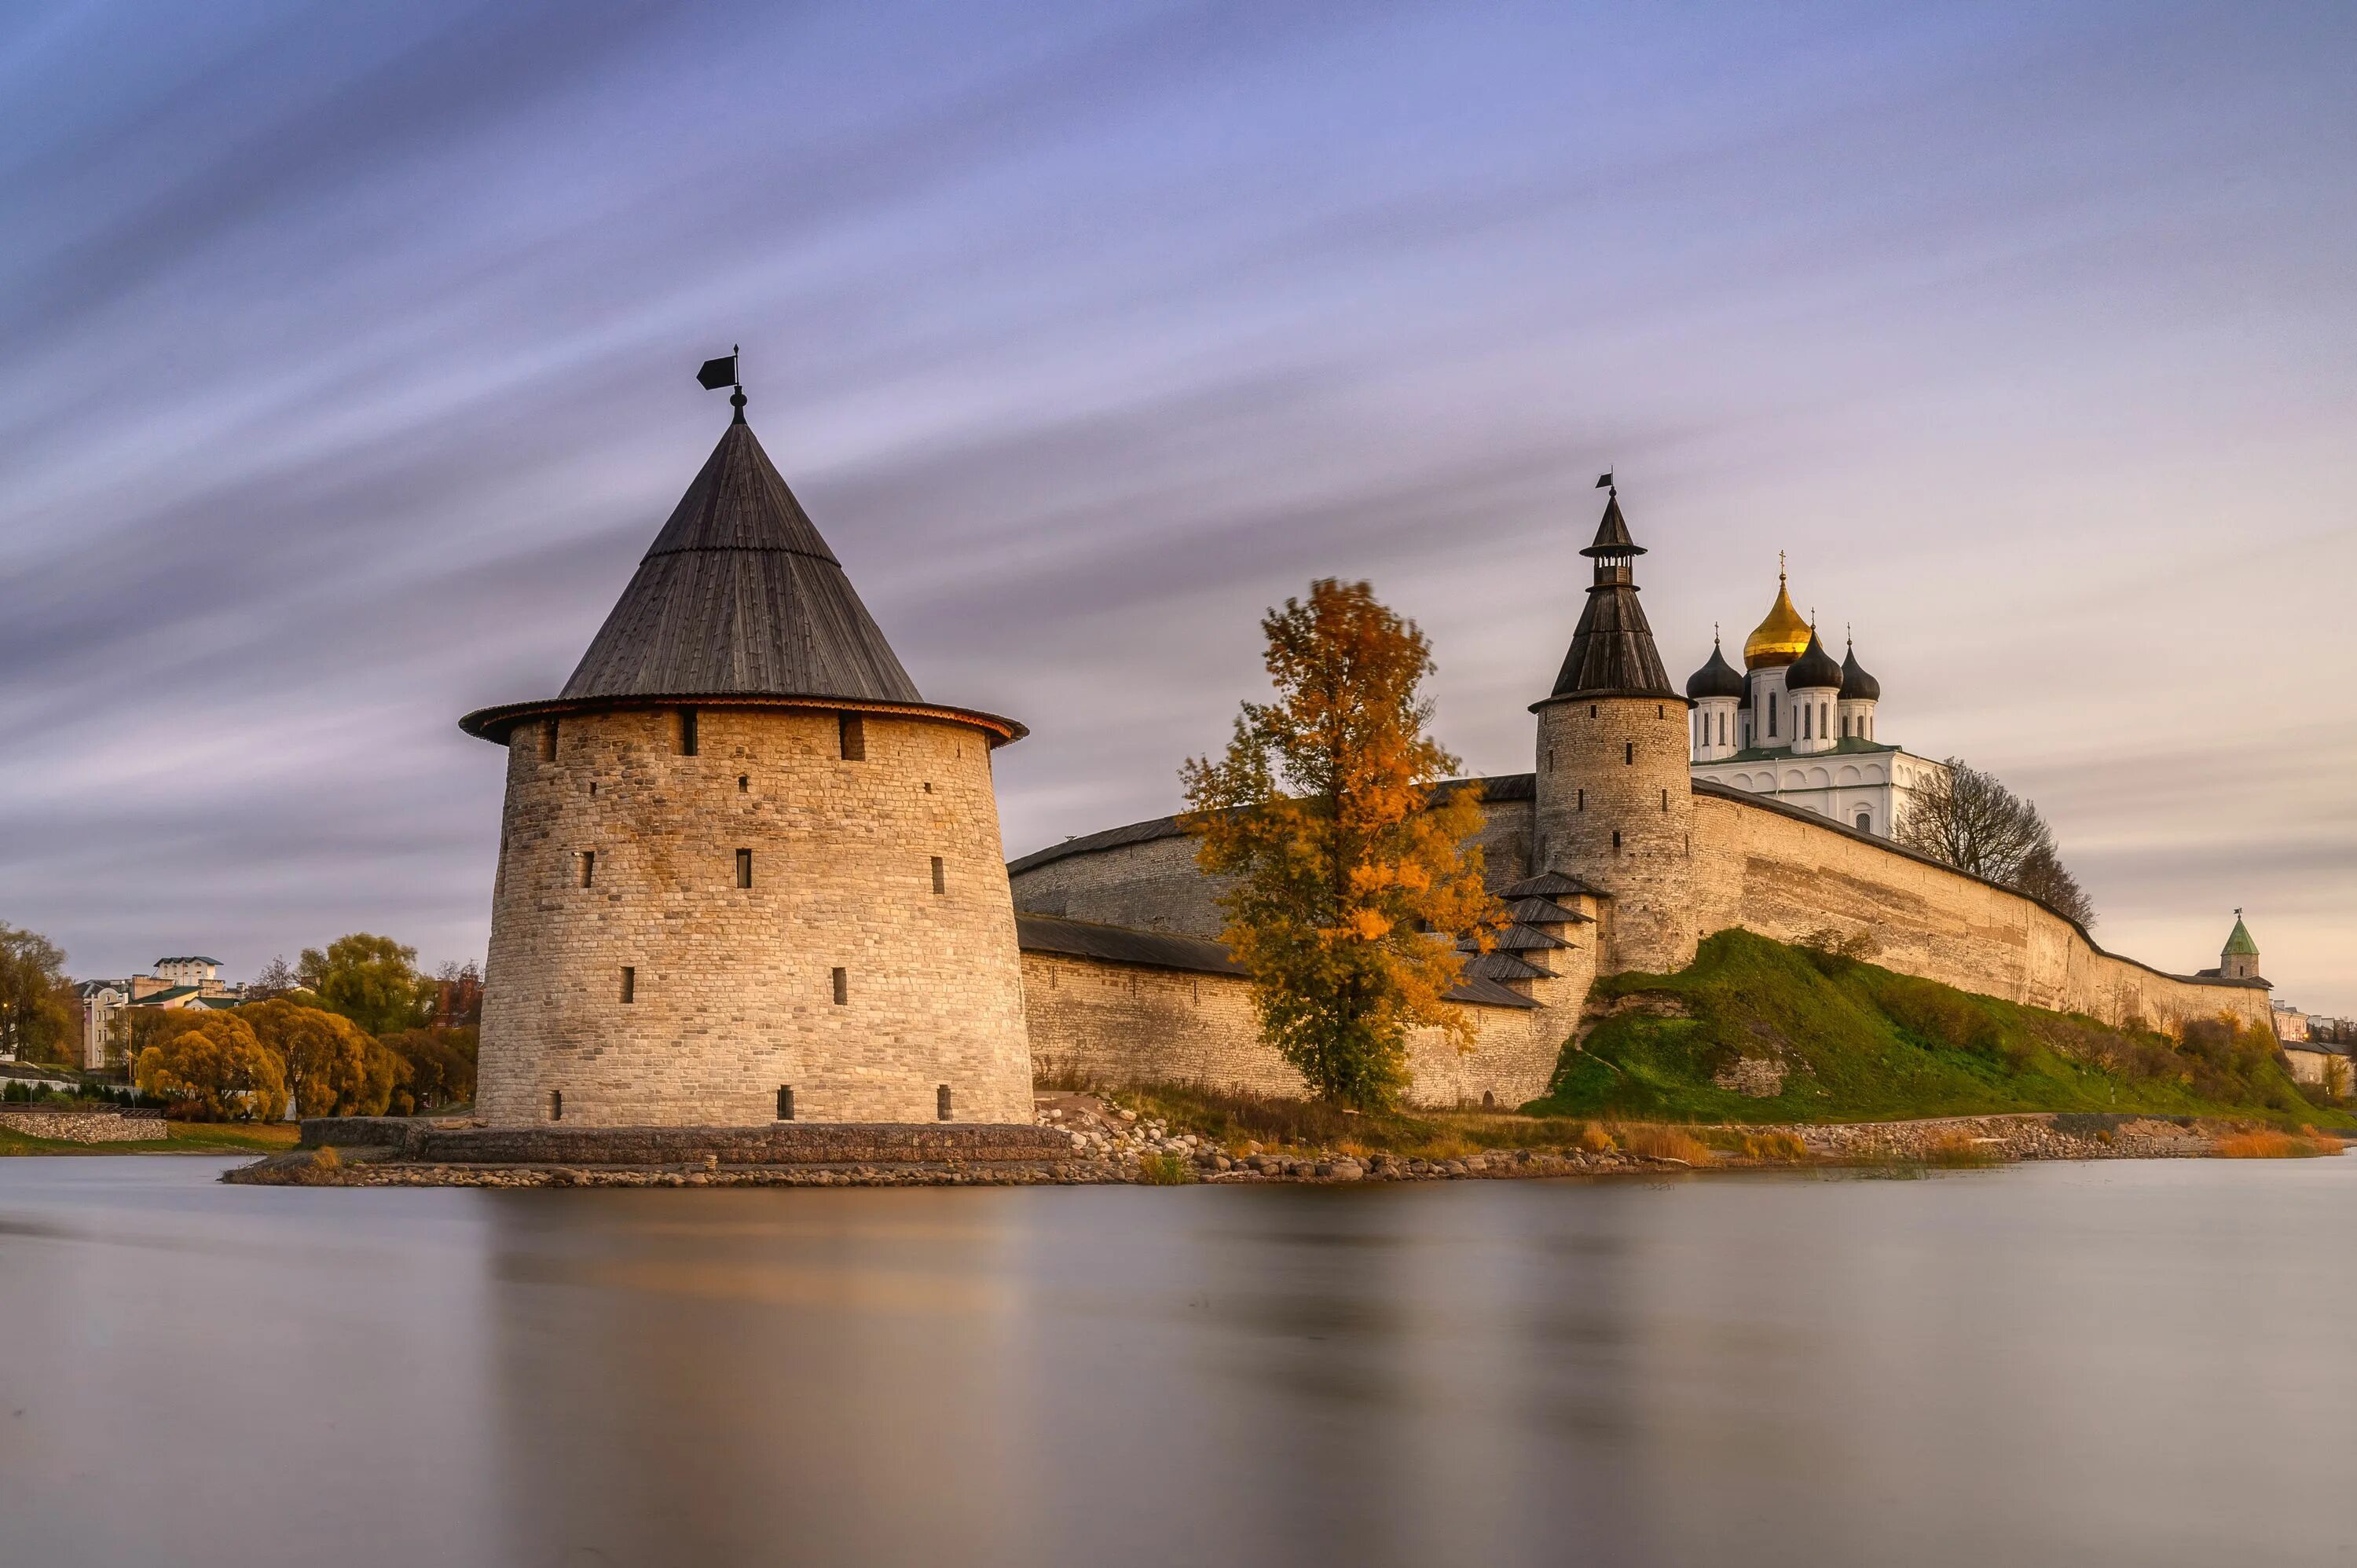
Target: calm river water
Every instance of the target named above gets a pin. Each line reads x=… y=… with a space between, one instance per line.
x=2122 y=1363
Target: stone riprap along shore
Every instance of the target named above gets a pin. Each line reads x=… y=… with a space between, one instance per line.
x=84 y=1124
x=1081 y=1139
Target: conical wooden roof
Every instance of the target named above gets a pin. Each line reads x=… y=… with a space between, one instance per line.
x=740 y=598
x=1612 y=652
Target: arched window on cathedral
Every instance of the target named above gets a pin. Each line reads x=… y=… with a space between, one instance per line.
x=1772 y=721
x=1804 y=723
x=1866 y=821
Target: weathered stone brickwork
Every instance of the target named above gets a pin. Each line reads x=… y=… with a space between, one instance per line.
x=1121 y=1024
x=1782 y=876
x=1150 y=885
x=73 y=1126
x=1615 y=810
x=732 y=989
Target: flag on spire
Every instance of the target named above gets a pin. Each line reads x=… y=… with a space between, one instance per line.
x=717 y=373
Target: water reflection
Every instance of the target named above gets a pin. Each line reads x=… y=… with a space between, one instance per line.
x=2126 y=1363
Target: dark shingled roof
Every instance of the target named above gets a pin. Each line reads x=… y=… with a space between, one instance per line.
x=1613 y=532
x=1813 y=669
x=1121 y=944
x=740 y=597
x=1534 y=911
x=1159 y=949
x=1519 y=939
x=1612 y=652
x=1504 y=966
x=1549 y=883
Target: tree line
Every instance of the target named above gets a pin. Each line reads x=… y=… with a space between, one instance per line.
x=353 y=1028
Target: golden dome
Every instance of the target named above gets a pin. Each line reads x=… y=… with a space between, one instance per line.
x=1782 y=637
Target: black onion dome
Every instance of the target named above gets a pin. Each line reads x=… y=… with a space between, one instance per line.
x=1812 y=669
x=1716 y=679
x=1857 y=686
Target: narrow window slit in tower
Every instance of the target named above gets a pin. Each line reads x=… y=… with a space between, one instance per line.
x=629 y=983
x=744 y=868
x=940 y=877
x=842 y=986
x=548 y=741
x=1665 y=799
x=1616 y=841
x=1629 y=752
x=588 y=868
x=851 y=731
x=1579 y=802
x=556 y=1105
x=785 y=1102
x=687 y=732
x=1591 y=710
x=744 y=783
x=941 y=1102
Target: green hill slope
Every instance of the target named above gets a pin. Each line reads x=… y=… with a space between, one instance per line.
x=1852 y=1042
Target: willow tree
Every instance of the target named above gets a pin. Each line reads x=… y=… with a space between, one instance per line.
x=1351 y=874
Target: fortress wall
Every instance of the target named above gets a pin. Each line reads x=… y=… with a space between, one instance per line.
x=1152 y=885
x=1789 y=878
x=734 y=991
x=1130 y=1023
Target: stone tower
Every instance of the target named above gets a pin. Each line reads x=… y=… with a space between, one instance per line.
x=2239 y=959
x=1615 y=802
x=747 y=873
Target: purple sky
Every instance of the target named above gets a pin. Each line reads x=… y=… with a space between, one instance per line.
x=345 y=360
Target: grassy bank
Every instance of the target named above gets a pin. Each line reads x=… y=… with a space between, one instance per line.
x=1842 y=1040
x=180 y=1138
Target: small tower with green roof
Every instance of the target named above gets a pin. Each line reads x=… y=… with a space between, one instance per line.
x=2239 y=959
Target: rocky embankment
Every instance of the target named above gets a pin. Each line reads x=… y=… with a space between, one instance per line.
x=1082 y=1139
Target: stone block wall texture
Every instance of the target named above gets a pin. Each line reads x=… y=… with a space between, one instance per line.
x=77 y=1126
x=733 y=993
x=1788 y=878
x=1615 y=809
x=1153 y=886
x=1129 y=1024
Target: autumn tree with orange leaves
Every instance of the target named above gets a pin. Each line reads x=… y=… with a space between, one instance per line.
x=1353 y=877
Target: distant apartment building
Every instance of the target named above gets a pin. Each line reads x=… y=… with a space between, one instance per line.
x=190 y=980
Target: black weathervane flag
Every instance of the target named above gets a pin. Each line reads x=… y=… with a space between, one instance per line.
x=1603 y=480
x=717 y=373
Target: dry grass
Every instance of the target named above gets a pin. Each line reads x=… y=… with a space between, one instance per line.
x=1664 y=1144
x=1594 y=1140
x=2267 y=1143
x=1164 y=1170
x=1780 y=1146
x=1959 y=1151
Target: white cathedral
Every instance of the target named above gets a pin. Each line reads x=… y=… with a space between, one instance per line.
x=1799 y=728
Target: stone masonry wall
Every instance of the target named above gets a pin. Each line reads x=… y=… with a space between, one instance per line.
x=1124 y=1024
x=77 y=1126
x=1788 y=878
x=1152 y=885
x=1614 y=808
x=733 y=993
